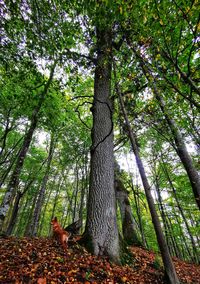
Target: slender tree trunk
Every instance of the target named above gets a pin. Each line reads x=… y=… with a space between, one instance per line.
x=181 y=150
x=8 y=128
x=178 y=138
x=167 y=261
x=182 y=244
x=173 y=248
x=40 y=199
x=76 y=172
x=11 y=163
x=195 y=253
x=15 y=210
x=168 y=233
x=128 y=223
x=55 y=200
x=42 y=215
x=14 y=179
x=69 y=212
x=137 y=205
x=101 y=232
x=84 y=185
x=194 y=223
x=162 y=213
x=184 y=241
x=194 y=134
x=31 y=202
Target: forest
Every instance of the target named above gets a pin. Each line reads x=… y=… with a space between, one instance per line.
x=99 y=126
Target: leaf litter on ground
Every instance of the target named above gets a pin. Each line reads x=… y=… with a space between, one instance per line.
x=43 y=261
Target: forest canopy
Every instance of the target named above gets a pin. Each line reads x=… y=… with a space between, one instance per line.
x=99 y=104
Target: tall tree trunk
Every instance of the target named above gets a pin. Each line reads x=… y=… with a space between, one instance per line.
x=101 y=232
x=178 y=138
x=84 y=186
x=181 y=150
x=194 y=223
x=40 y=199
x=184 y=241
x=167 y=261
x=174 y=250
x=76 y=173
x=55 y=199
x=16 y=207
x=138 y=211
x=194 y=248
x=8 y=128
x=14 y=213
x=30 y=202
x=12 y=156
x=43 y=215
x=128 y=223
x=14 y=179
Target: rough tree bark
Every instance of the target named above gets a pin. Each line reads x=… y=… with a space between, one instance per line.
x=101 y=233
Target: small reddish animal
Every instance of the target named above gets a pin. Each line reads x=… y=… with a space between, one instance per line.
x=61 y=235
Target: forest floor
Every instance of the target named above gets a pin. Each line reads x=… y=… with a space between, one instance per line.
x=43 y=261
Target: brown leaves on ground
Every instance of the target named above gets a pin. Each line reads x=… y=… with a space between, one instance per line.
x=43 y=261
x=147 y=261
